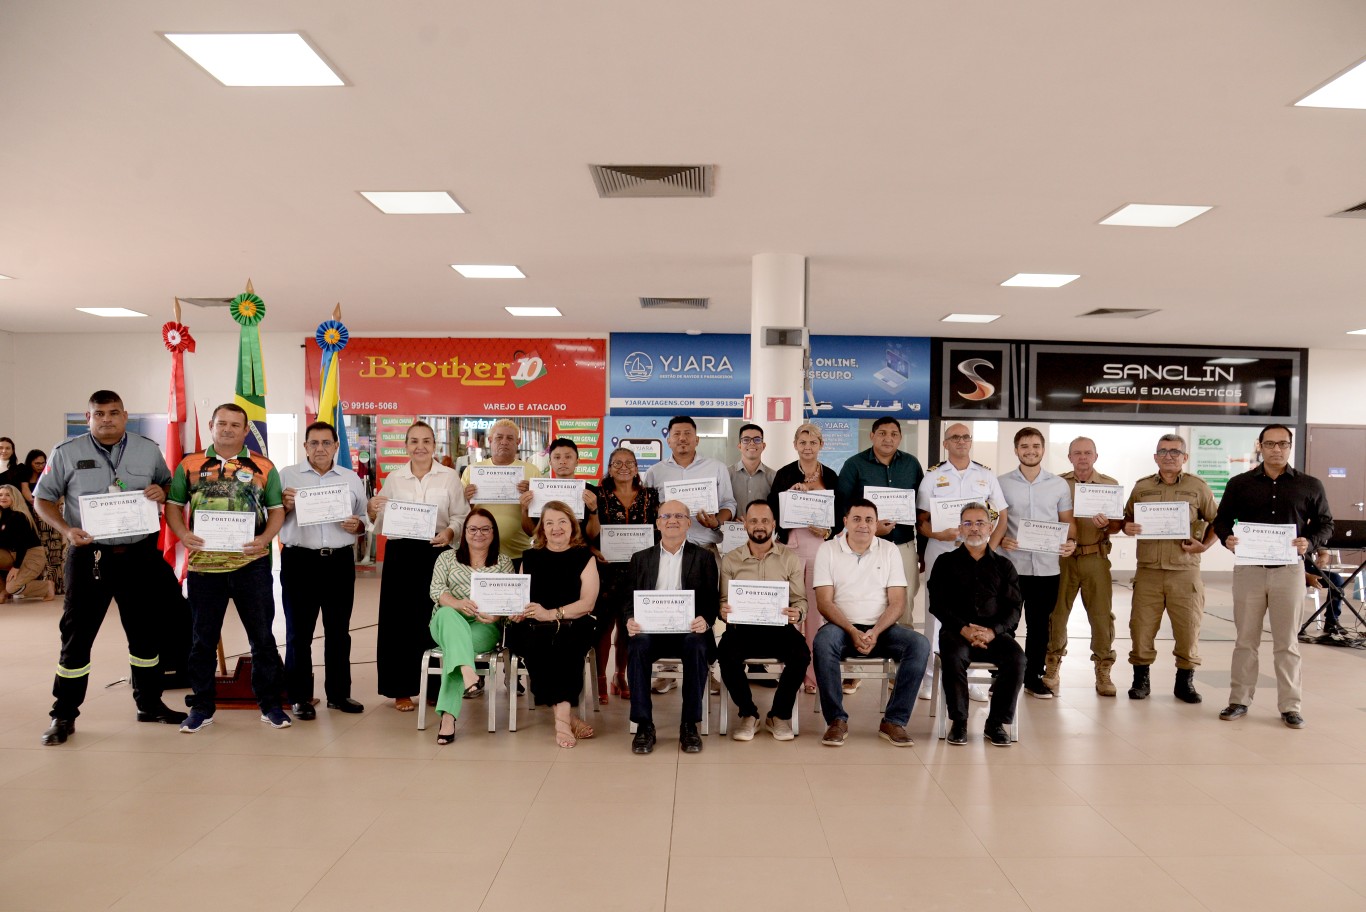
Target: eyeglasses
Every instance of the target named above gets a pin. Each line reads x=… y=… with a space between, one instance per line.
x=479 y=530
x=667 y=516
x=1171 y=454
x=319 y=444
x=1275 y=444
x=618 y=464
x=973 y=523
x=751 y=441
x=957 y=437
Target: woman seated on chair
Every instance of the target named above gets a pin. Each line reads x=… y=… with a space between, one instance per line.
x=557 y=629
x=457 y=625
x=23 y=560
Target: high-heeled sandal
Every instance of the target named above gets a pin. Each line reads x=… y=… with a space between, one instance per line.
x=602 y=690
x=619 y=686
x=443 y=739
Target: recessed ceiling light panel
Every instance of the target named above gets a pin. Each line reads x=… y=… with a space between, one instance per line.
x=275 y=59
x=489 y=272
x=4 y=277
x=1038 y=280
x=110 y=312
x=413 y=202
x=970 y=318
x=1346 y=91
x=1148 y=215
x=1356 y=332
x=534 y=311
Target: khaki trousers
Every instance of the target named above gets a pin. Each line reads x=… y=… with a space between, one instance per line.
x=33 y=566
x=1088 y=575
x=1276 y=593
x=1181 y=594
x=910 y=560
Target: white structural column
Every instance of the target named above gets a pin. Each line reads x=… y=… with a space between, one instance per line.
x=778 y=299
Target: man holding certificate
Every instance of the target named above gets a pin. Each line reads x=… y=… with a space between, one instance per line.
x=243 y=489
x=564 y=464
x=684 y=465
x=1269 y=518
x=1168 y=574
x=324 y=505
x=675 y=567
x=762 y=622
x=1098 y=502
x=127 y=566
x=1039 y=529
x=498 y=483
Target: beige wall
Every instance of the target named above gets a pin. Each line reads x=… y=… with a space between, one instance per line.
x=1337 y=379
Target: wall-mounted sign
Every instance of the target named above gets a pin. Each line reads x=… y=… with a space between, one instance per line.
x=1188 y=386
x=975 y=379
x=868 y=376
x=509 y=377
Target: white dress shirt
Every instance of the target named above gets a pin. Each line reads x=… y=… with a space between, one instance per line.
x=440 y=486
x=325 y=535
x=670 y=569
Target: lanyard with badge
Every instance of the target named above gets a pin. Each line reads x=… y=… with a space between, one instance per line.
x=114 y=462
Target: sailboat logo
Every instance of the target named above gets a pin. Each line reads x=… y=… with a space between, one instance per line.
x=638 y=367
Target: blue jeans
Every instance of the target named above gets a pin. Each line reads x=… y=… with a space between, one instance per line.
x=249 y=588
x=909 y=649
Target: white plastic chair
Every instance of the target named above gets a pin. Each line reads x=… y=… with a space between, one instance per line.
x=941 y=712
x=723 y=721
x=433 y=661
x=864 y=669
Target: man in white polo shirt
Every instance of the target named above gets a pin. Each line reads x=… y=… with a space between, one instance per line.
x=860 y=591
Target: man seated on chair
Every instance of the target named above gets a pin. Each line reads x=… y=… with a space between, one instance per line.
x=861 y=590
x=763 y=557
x=975 y=593
x=675 y=563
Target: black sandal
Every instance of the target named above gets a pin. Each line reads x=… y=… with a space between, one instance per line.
x=474 y=690
x=443 y=739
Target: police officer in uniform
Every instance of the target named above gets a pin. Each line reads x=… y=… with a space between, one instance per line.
x=127 y=568
x=955 y=478
x=1168 y=574
x=1086 y=570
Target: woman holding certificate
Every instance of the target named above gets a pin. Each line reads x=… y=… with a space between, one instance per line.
x=458 y=626
x=555 y=632
x=806 y=474
x=23 y=559
x=622 y=501
x=420 y=509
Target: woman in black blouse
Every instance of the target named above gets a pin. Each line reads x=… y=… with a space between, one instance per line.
x=555 y=632
x=622 y=500
x=23 y=560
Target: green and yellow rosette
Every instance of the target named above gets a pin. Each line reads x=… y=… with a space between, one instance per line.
x=247 y=310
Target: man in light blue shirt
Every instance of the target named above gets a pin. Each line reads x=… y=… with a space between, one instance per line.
x=318 y=573
x=684 y=464
x=1033 y=493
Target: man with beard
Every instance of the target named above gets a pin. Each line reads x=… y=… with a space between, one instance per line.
x=763 y=558
x=975 y=594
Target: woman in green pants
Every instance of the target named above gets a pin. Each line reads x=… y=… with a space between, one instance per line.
x=457 y=626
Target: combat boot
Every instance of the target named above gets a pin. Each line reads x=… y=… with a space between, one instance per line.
x=1185 y=686
x=1051 y=668
x=1104 y=686
x=1141 y=687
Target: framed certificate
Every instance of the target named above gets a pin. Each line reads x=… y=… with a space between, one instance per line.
x=409 y=519
x=665 y=610
x=1041 y=535
x=946 y=513
x=799 y=509
x=1167 y=519
x=497 y=484
x=500 y=594
x=567 y=490
x=225 y=530
x=1098 y=500
x=117 y=515
x=1265 y=543
x=893 y=504
x=761 y=602
x=322 y=504
x=618 y=543
x=697 y=496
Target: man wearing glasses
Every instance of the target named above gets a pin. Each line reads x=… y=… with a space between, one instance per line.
x=1272 y=493
x=975 y=594
x=750 y=479
x=956 y=478
x=318 y=574
x=1168 y=574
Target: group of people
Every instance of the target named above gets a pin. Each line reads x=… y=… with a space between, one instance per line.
x=850 y=579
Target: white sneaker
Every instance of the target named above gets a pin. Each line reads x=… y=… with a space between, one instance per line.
x=926 y=690
x=851 y=685
x=745 y=728
x=978 y=693
x=781 y=729
x=663 y=685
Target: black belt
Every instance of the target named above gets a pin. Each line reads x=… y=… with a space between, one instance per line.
x=122 y=549
x=1271 y=566
x=321 y=552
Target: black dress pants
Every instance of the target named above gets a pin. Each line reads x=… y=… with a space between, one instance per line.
x=955 y=654
x=316 y=581
x=749 y=641
x=696 y=650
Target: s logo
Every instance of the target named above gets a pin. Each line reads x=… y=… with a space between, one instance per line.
x=982 y=389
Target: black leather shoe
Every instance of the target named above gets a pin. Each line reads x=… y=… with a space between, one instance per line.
x=163 y=714
x=1233 y=711
x=958 y=733
x=644 y=741
x=688 y=738
x=998 y=735
x=304 y=712
x=348 y=705
x=59 y=731
x=1293 y=719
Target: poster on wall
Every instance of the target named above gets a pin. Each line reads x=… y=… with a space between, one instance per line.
x=641 y=434
x=670 y=373
x=504 y=377
x=841 y=440
x=1219 y=453
x=1185 y=386
x=975 y=379
x=868 y=376
x=586 y=433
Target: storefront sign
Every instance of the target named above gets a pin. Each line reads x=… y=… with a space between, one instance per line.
x=975 y=380
x=868 y=376
x=505 y=377
x=587 y=436
x=1236 y=386
x=702 y=376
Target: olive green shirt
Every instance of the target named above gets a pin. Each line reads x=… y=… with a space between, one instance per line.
x=1166 y=554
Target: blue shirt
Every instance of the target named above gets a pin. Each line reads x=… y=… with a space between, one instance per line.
x=82 y=466
x=1043 y=498
x=700 y=468
x=326 y=535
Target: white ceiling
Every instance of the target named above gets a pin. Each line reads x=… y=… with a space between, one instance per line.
x=919 y=153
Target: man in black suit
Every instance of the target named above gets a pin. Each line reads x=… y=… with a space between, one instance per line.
x=675 y=563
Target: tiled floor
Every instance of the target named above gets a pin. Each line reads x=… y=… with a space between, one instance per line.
x=1104 y=804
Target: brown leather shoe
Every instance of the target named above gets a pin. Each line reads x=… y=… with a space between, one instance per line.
x=836 y=733
x=896 y=734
